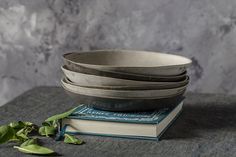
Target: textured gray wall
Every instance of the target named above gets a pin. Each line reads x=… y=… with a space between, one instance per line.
x=34 y=35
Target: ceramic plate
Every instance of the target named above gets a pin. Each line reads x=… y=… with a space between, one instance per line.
x=133 y=87
x=80 y=69
x=109 y=93
x=88 y=80
x=133 y=62
x=125 y=105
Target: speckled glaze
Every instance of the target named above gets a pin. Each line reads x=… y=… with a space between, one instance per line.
x=97 y=81
x=35 y=34
x=130 y=61
x=128 y=94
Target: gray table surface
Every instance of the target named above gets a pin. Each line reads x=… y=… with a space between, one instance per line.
x=206 y=127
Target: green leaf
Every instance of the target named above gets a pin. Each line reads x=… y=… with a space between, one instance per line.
x=47 y=130
x=28 y=123
x=55 y=123
x=34 y=149
x=46 y=124
x=22 y=137
x=20 y=124
x=22 y=130
x=72 y=140
x=60 y=116
x=6 y=133
x=29 y=142
x=16 y=139
x=51 y=123
x=29 y=129
x=17 y=125
x=22 y=133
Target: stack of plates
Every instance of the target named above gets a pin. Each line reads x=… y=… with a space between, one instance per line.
x=122 y=80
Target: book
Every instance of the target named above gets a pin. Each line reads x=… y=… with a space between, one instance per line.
x=143 y=125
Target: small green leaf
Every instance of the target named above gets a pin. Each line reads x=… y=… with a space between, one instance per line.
x=34 y=149
x=20 y=124
x=47 y=130
x=29 y=142
x=51 y=123
x=22 y=133
x=29 y=129
x=46 y=124
x=22 y=137
x=28 y=123
x=55 y=123
x=17 y=125
x=22 y=130
x=6 y=133
x=72 y=140
x=16 y=139
x=60 y=116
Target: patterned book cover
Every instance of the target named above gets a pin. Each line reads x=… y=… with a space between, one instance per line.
x=153 y=117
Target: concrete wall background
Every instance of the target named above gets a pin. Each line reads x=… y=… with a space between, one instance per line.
x=34 y=35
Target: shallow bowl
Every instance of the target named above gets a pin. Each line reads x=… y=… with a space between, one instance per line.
x=94 y=81
x=128 y=94
x=130 y=62
x=126 y=105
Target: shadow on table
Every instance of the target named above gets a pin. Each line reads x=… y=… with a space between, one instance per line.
x=195 y=118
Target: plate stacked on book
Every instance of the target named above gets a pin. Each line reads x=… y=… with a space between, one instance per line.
x=123 y=80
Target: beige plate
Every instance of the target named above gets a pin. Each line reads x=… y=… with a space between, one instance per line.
x=153 y=78
x=133 y=62
x=134 y=87
x=88 y=80
x=132 y=94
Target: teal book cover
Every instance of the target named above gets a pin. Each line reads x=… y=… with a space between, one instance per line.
x=152 y=117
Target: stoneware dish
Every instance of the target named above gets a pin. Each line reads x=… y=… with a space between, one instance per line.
x=132 y=62
x=131 y=94
x=125 y=105
x=157 y=78
x=87 y=80
x=130 y=87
